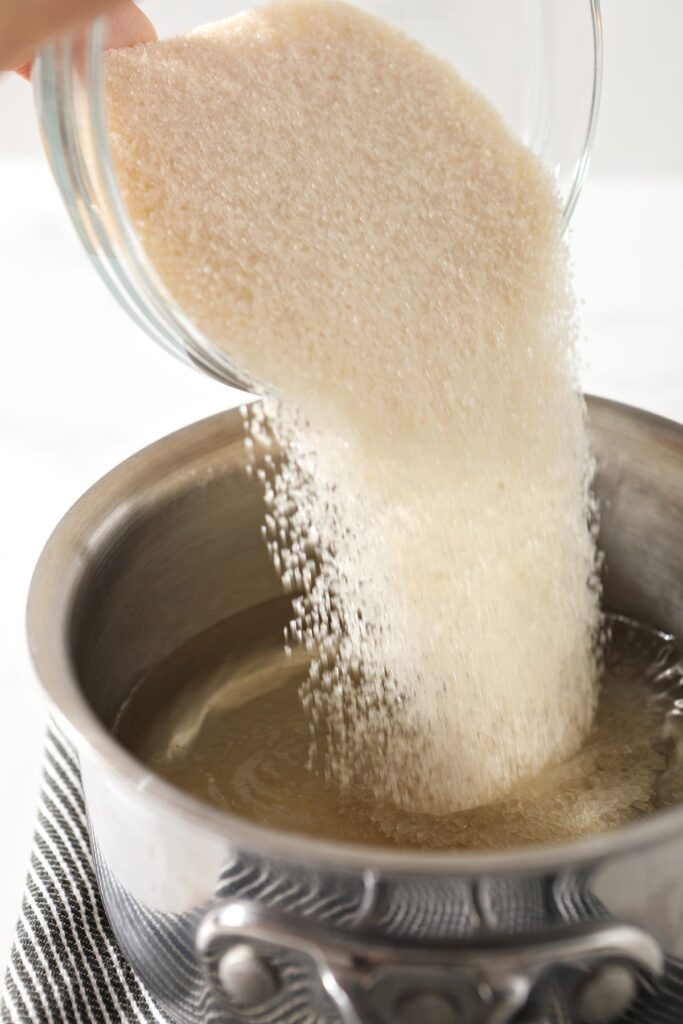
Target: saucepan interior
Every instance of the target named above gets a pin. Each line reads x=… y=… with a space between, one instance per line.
x=170 y=544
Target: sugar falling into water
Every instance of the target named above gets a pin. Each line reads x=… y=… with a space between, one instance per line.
x=221 y=718
x=337 y=210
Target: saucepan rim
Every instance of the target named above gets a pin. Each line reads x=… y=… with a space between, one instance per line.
x=52 y=593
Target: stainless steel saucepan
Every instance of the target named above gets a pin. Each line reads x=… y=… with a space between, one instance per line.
x=227 y=921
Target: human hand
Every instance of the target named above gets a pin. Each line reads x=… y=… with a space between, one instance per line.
x=25 y=24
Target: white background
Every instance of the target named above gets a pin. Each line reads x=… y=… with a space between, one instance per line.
x=81 y=388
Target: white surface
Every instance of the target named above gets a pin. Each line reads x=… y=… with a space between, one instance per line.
x=81 y=388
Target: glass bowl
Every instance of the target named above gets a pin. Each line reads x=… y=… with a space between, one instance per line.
x=538 y=61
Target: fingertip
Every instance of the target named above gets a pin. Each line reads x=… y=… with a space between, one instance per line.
x=127 y=25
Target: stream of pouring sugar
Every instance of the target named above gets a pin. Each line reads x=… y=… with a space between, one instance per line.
x=350 y=221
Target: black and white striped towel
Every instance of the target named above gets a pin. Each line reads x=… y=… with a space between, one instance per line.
x=65 y=966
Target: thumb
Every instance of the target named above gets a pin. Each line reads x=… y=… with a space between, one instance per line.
x=24 y=24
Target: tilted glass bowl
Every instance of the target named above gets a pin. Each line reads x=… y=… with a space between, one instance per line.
x=538 y=61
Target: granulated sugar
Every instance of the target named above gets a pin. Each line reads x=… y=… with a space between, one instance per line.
x=354 y=225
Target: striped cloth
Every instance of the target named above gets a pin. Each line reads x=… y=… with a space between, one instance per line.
x=65 y=966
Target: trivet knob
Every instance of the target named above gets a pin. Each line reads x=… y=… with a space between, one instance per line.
x=606 y=994
x=245 y=977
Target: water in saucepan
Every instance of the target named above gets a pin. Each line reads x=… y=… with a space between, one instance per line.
x=222 y=718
